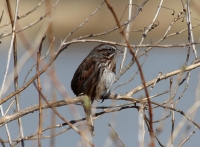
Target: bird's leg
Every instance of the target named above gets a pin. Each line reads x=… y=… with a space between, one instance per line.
x=105 y=97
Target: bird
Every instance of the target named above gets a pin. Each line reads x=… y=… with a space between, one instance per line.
x=95 y=76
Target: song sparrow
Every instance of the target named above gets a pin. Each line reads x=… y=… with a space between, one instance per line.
x=95 y=76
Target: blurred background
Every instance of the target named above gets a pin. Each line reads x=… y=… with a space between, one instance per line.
x=68 y=15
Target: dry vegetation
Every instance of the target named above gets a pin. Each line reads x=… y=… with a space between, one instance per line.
x=177 y=81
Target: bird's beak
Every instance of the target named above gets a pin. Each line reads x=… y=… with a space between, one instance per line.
x=120 y=51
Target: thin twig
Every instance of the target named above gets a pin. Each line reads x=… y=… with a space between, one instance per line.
x=42 y=58
x=39 y=93
x=139 y=68
x=8 y=64
x=186 y=115
x=95 y=116
x=30 y=137
x=30 y=50
x=150 y=26
x=86 y=20
x=159 y=74
x=147 y=124
x=21 y=113
x=24 y=15
x=31 y=11
x=52 y=88
x=132 y=46
x=185 y=87
x=116 y=136
x=15 y=72
x=1 y=16
x=65 y=120
x=162 y=119
x=188 y=137
x=141 y=122
x=160 y=40
x=132 y=78
x=31 y=24
x=190 y=33
x=164 y=76
x=127 y=36
x=115 y=28
x=172 y=112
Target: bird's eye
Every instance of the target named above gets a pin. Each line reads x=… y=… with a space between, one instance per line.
x=110 y=50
